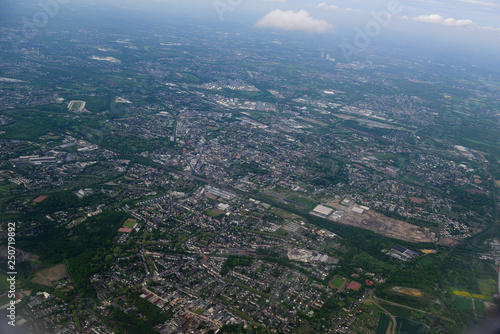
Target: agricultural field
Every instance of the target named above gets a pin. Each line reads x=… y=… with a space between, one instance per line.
x=383 y=324
x=473 y=304
x=480 y=308
x=410 y=327
x=463 y=303
x=488 y=287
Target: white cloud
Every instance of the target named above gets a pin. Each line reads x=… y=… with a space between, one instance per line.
x=290 y=20
x=481 y=3
x=334 y=8
x=450 y=22
x=438 y=19
x=273 y=0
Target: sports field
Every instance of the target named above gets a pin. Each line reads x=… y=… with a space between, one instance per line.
x=76 y=105
x=337 y=282
x=130 y=223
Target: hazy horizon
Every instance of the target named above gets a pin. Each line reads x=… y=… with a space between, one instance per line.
x=467 y=25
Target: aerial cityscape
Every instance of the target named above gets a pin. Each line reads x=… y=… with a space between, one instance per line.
x=178 y=175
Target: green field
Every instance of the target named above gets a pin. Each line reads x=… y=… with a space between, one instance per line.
x=129 y=223
x=337 y=282
x=386 y=156
x=5 y=188
x=405 y=326
x=463 y=303
x=383 y=323
x=477 y=142
x=212 y=214
x=480 y=309
x=3 y=282
x=425 y=262
x=302 y=200
x=488 y=287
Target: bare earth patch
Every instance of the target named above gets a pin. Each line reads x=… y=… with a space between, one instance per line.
x=49 y=275
x=380 y=224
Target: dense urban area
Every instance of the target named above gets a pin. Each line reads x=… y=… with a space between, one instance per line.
x=176 y=179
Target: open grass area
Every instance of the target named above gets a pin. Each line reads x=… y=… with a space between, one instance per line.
x=129 y=223
x=337 y=282
x=425 y=262
x=383 y=323
x=463 y=303
x=302 y=200
x=212 y=214
x=5 y=188
x=477 y=142
x=410 y=327
x=480 y=308
x=488 y=287
x=396 y=310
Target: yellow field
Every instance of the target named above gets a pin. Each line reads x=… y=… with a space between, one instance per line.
x=479 y=297
x=461 y=293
